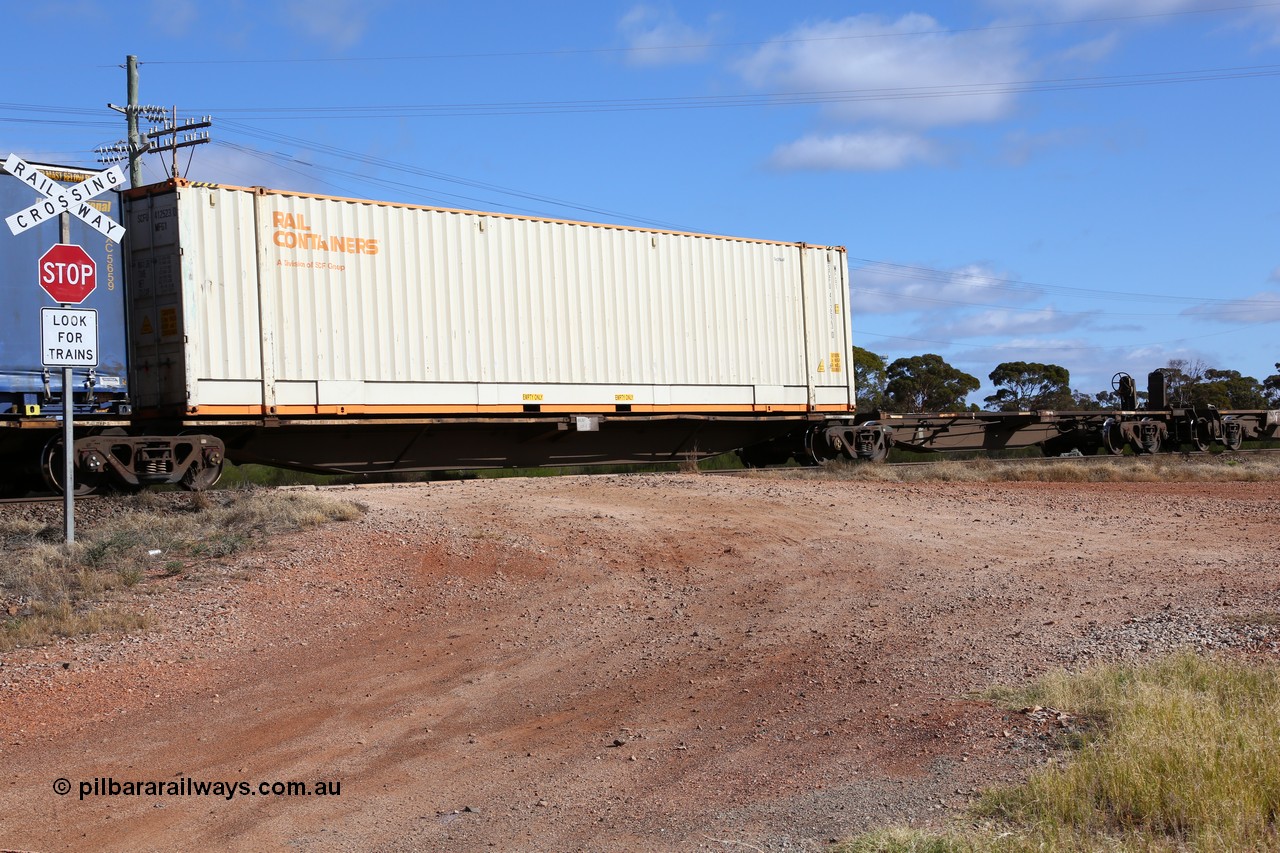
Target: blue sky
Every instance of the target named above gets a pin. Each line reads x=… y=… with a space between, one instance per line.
x=1091 y=183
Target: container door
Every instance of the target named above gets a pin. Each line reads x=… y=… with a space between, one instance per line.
x=827 y=337
x=155 y=306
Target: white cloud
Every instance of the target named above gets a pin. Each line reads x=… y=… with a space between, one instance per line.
x=871 y=151
x=1089 y=52
x=339 y=23
x=1263 y=21
x=905 y=72
x=174 y=18
x=79 y=11
x=1090 y=365
x=1262 y=307
x=890 y=289
x=1072 y=9
x=1044 y=350
x=1021 y=146
x=658 y=37
x=1268 y=21
x=1005 y=322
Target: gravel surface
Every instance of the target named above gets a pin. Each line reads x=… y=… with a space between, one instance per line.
x=659 y=662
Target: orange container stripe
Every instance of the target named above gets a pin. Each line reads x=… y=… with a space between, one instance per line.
x=608 y=409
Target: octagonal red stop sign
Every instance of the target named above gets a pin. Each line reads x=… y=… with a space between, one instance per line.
x=68 y=274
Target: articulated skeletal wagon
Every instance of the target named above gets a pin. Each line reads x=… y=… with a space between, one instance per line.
x=361 y=337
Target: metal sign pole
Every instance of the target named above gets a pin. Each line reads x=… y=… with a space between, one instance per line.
x=68 y=458
x=68 y=429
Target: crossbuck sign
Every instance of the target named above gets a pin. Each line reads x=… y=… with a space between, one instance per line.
x=59 y=199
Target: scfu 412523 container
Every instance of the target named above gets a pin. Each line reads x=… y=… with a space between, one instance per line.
x=347 y=335
x=31 y=393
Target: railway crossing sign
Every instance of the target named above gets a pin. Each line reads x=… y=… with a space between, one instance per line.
x=59 y=199
x=68 y=274
x=68 y=337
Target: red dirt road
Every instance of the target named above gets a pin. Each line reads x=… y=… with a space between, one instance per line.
x=664 y=662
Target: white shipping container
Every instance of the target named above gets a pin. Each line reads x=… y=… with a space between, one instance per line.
x=255 y=303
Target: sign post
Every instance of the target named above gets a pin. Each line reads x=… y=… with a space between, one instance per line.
x=68 y=336
x=68 y=460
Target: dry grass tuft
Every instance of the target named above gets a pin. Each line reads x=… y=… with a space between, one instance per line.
x=907 y=841
x=1180 y=755
x=60 y=620
x=1186 y=755
x=50 y=590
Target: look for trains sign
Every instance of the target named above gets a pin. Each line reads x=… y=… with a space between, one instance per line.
x=60 y=199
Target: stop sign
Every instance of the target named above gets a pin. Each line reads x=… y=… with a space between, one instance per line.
x=68 y=274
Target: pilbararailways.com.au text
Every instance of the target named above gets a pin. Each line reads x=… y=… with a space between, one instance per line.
x=185 y=786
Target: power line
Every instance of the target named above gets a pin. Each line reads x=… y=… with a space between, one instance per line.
x=919 y=273
x=690 y=102
x=1061 y=311
x=348 y=155
x=1051 y=348
x=774 y=99
x=914 y=272
x=289 y=163
x=880 y=267
x=42 y=108
x=57 y=122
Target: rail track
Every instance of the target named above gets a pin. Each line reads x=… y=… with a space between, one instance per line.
x=950 y=459
x=1098 y=459
x=800 y=470
x=43 y=499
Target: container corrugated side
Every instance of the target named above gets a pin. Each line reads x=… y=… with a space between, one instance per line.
x=353 y=306
x=21 y=297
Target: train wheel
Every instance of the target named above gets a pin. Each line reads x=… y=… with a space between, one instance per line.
x=808 y=456
x=1112 y=437
x=1201 y=435
x=51 y=470
x=204 y=472
x=201 y=477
